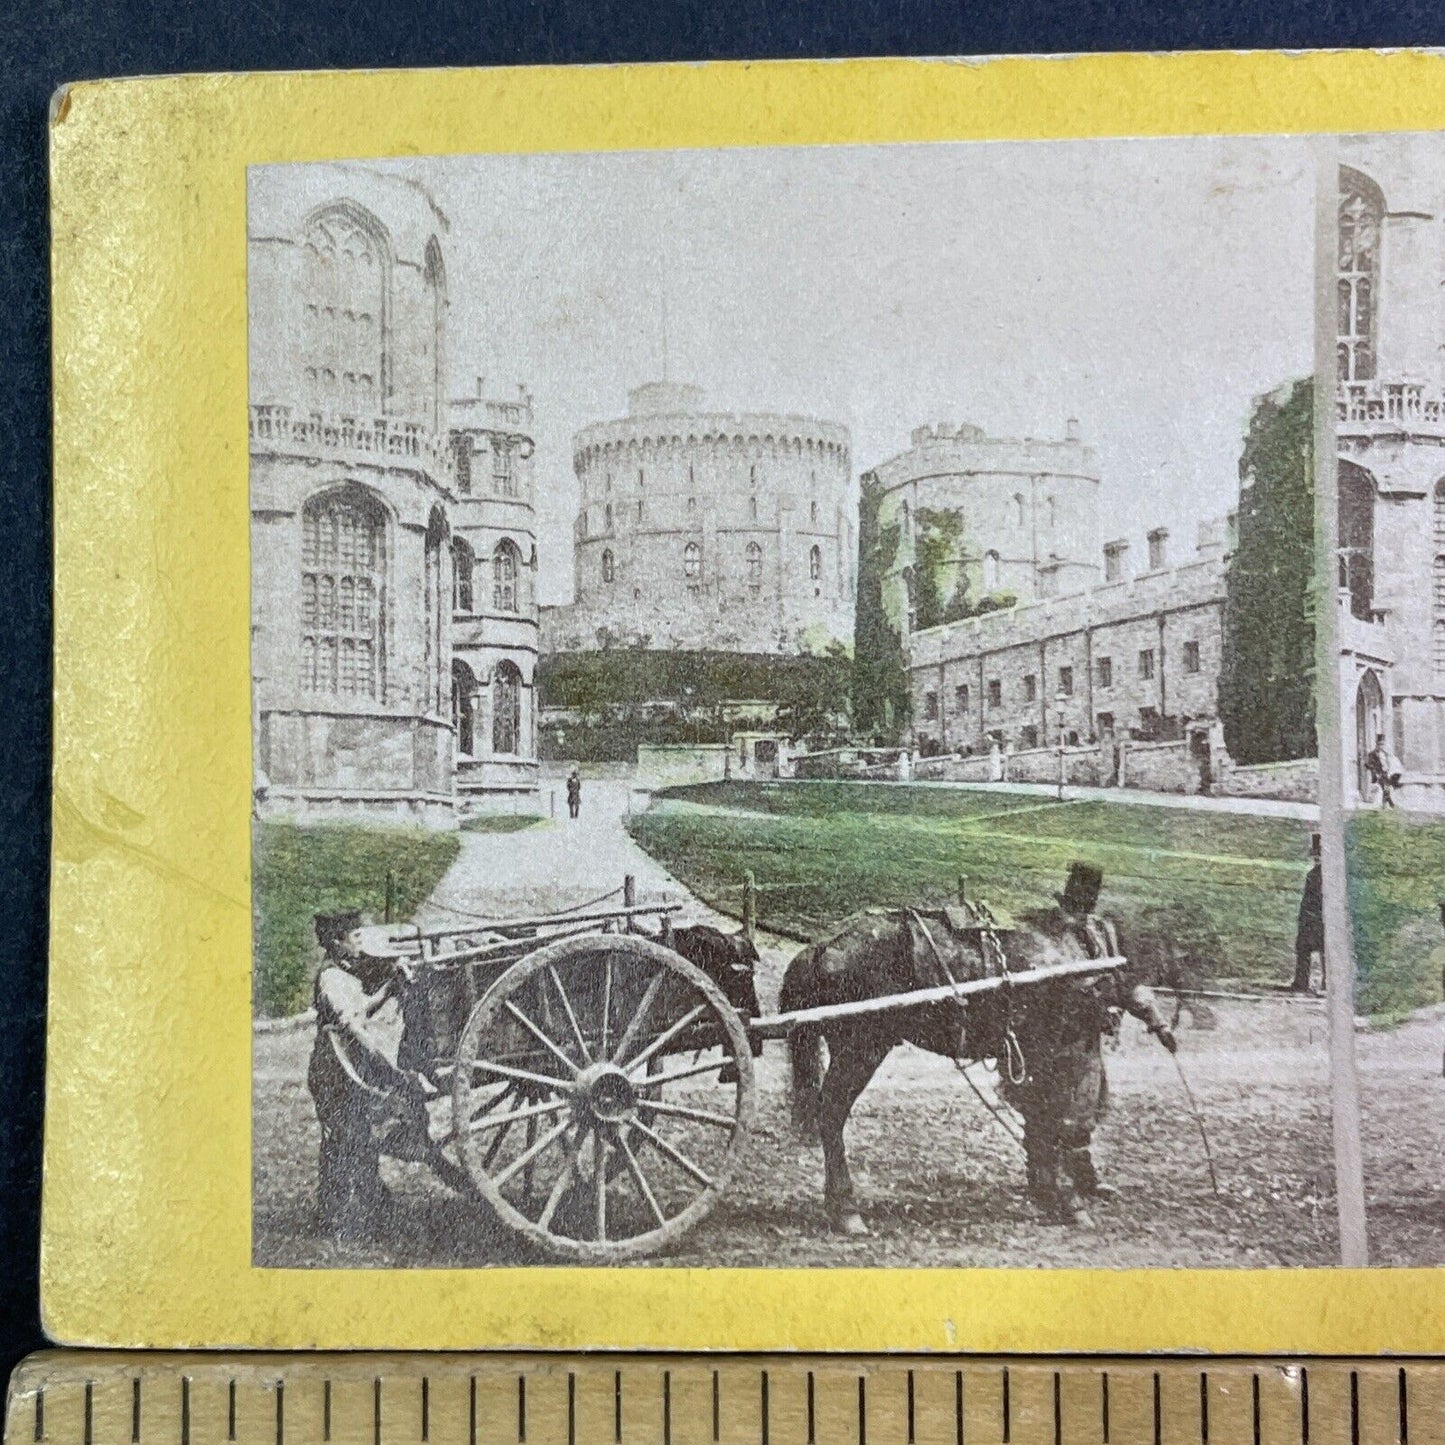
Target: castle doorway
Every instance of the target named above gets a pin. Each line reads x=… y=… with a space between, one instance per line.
x=1369 y=724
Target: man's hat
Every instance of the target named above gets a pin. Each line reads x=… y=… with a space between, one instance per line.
x=1081 y=892
x=331 y=926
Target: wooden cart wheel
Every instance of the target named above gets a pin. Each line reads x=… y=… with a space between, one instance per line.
x=609 y=1048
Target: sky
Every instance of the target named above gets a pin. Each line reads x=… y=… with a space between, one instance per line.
x=1150 y=288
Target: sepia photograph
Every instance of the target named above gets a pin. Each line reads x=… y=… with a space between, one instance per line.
x=1390 y=428
x=784 y=704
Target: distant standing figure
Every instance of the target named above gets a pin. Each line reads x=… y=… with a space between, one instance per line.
x=574 y=793
x=1309 y=938
x=1385 y=771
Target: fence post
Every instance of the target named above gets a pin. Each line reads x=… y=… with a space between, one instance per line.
x=629 y=896
x=750 y=905
x=390 y=895
x=962 y=889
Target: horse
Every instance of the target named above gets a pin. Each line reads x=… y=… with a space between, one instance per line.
x=1044 y=1035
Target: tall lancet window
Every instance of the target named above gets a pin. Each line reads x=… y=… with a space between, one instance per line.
x=1362 y=209
x=344 y=302
x=343 y=567
x=435 y=279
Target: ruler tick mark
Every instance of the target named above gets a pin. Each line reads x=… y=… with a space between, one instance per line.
x=1058 y=1410
x=1304 y=1406
x=1006 y=1421
x=135 y=1410
x=185 y=1410
x=40 y=1413
x=912 y=1438
x=376 y=1410
x=1158 y=1412
x=280 y=1412
x=763 y=1405
x=1255 y=1392
x=617 y=1406
x=1104 y=1403
x=1404 y=1395
x=425 y=1408
x=1204 y=1407
x=958 y=1407
x=326 y=1409
x=1354 y=1407
x=862 y=1410
x=472 y=1410
x=571 y=1408
x=89 y=1410
x=231 y=1412
x=812 y=1418
x=716 y=1411
x=521 y=1407
x=667 y=1407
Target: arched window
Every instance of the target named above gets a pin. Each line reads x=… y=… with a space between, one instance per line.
x=815 y=563
x=692 y=561
x=463 y=563
x=1019 y=508
x=464 y=707
x=345 y=300
x=753 y=509
x=607 y=518
x=343 y=594
x=609 y=570
x=462 y=463
x=813 y=513
x=1357 y=538
x=990 y=571
x=436 y=614
x=755 y=563
x=1362 y=209
x=506 y=708
x=435 y=280
x=504 y=577
x=1052 y=514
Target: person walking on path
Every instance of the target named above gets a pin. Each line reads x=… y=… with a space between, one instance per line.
x=574 y=793
x=1309 y=938
x=1384 y=770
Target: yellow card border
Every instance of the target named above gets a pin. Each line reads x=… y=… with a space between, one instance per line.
x=147 y=1200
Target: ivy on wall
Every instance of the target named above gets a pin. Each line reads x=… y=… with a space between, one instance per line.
x=1267 y=677
x=881 y=705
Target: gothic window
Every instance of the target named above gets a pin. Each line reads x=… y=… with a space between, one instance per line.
x=1158 y=549
x=990 y=571
x=1106 y=672
x=464 y=707
x=755 y=563
x=753 y=508
x=609 y=481
x=692 y=561
x=1052 y=514
x=435 y=280
x=995 y=692
x=1362 y=209
x=434 y=677
x=1031 y=685
x=607 y=517
x=930 y=706
x=506 y=708
x=1114 y=561
x=639 y=479
x=1146 y=663
x=504 y=577
x=960 y=697
x=1356 y=509
x=609 y=568
x=463 y=562
x=1066 y=681
x=639 y=509
x=1191 y=657
x=815 y=563
x=343 y=594
x=462 y=457
x=1019 y=508
x=504 y=477
x=344 y=302
x=813 y=513
x=752 y=476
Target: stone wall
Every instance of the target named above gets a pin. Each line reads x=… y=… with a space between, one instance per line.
x=1159 y=767
x=1297 y=781
x=669 y=765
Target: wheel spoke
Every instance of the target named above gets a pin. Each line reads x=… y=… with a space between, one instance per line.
x=532 y=1111
x=691 y=1071
x=665 y=1038
x=495 y=1147
x=599 y=1163
x=649 y=994
x=571 y=1017
x=676 y=1155
x=606 y=1006
x=682 y=1111
x=641 y=1179
x=547 y=1081
x=528 y=1155
x=563 y=1179
x=537 y=1034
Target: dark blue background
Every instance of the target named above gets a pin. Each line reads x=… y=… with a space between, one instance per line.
x=42 y=45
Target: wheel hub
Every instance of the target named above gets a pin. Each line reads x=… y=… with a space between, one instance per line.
x=608 y=1093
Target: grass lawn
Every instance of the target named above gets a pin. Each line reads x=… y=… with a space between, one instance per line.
x=1225 y=886
x=501 y=822
x=1396 y=880
x=298 y=872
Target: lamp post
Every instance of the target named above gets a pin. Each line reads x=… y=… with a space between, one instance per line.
x=1059 y=702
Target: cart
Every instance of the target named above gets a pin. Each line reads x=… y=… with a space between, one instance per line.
x=591 y=1084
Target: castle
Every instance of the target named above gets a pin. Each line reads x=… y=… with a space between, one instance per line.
x=394 y=615
x=1390 y=432
x=701 y=530
x=1054 y=641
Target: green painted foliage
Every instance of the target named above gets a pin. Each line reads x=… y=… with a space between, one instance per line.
x=1267 y=679
x=881 y=706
